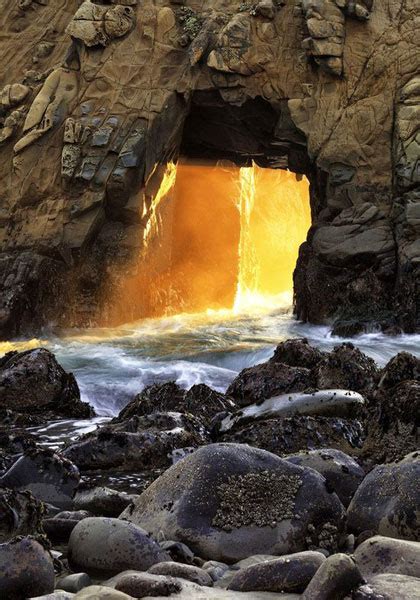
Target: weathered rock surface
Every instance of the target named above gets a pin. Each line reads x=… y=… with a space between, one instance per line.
x=258 y=383
x=228 y=501
x=100 y=544
x=294 y=434
x=388 y=501
x=343 y=473
x=26 y=569
x=327 y=89
x=50 y=477
x=291 y=573
x=32 y=382
x=20 y=514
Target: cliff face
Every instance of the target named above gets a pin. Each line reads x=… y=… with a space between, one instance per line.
x=97 y=97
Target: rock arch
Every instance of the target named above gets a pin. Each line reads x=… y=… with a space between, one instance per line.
x=94 y=103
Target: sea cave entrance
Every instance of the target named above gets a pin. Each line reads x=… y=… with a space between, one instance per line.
x=223 y=220
x=219 y=236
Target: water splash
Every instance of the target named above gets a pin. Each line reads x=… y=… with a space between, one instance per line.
x=153 y=224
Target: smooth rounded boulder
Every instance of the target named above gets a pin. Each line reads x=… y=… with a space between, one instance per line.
x=343 y=473
x=290 y=573
x=104 y=545
x=381 y=554
x=230 y=501
x=389 y=586
x=334 y=580
x=388 y=500
x=189 y=572
x=26 y=569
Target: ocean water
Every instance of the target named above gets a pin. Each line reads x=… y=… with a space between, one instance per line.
x=112 y=365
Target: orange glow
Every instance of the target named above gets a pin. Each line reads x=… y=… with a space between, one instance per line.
x=275 y=218
x=217 y=237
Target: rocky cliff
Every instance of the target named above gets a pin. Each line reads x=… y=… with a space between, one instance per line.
x=97 y=97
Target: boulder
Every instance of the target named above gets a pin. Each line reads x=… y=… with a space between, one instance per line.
x=100 y=592
x=26 y=569
x=49 y=476
x=56 y=595
x=297 y=353
x=290 y=573
x=348 y=368
x=151 y=447
x=101 y=501
x=380 y=554
x=34 y=382
x=59 y=527
x=388 y=501
x=324 y=403
x=256 y=384
x=334 y=580
x=189 y=572
x=389 y=586
x=169 y=397
x=229 y=501
x=402 y=367
x=74 y=582
x=104 y=545
x=294 y=434
x=343 y=473
x=141 y=585
x=20 y=514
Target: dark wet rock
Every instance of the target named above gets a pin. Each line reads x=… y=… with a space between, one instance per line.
x=200 y=400
x=154 y=398
x=178 y=552
x=74 y=583
x=101 y=501
x=334 y=580
x=290 y=573
x=229 y=501
x=26 y=569
x=388 y=555
x=20 y=514
x=256 y=384
x=293 y=434
x=101 y=544
x=33 y=382
x=49 y=476
x=343 y=473
x=189 y=572
x=140 y=585
x=393 y=422
x=389 y=587
x=145 y=450
x=59 y=527
x=297 y=353
x=388 y=500
x=348 y=368
x=12 y=445
x=207 y=403
x=323 y=403
x=404 y=366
